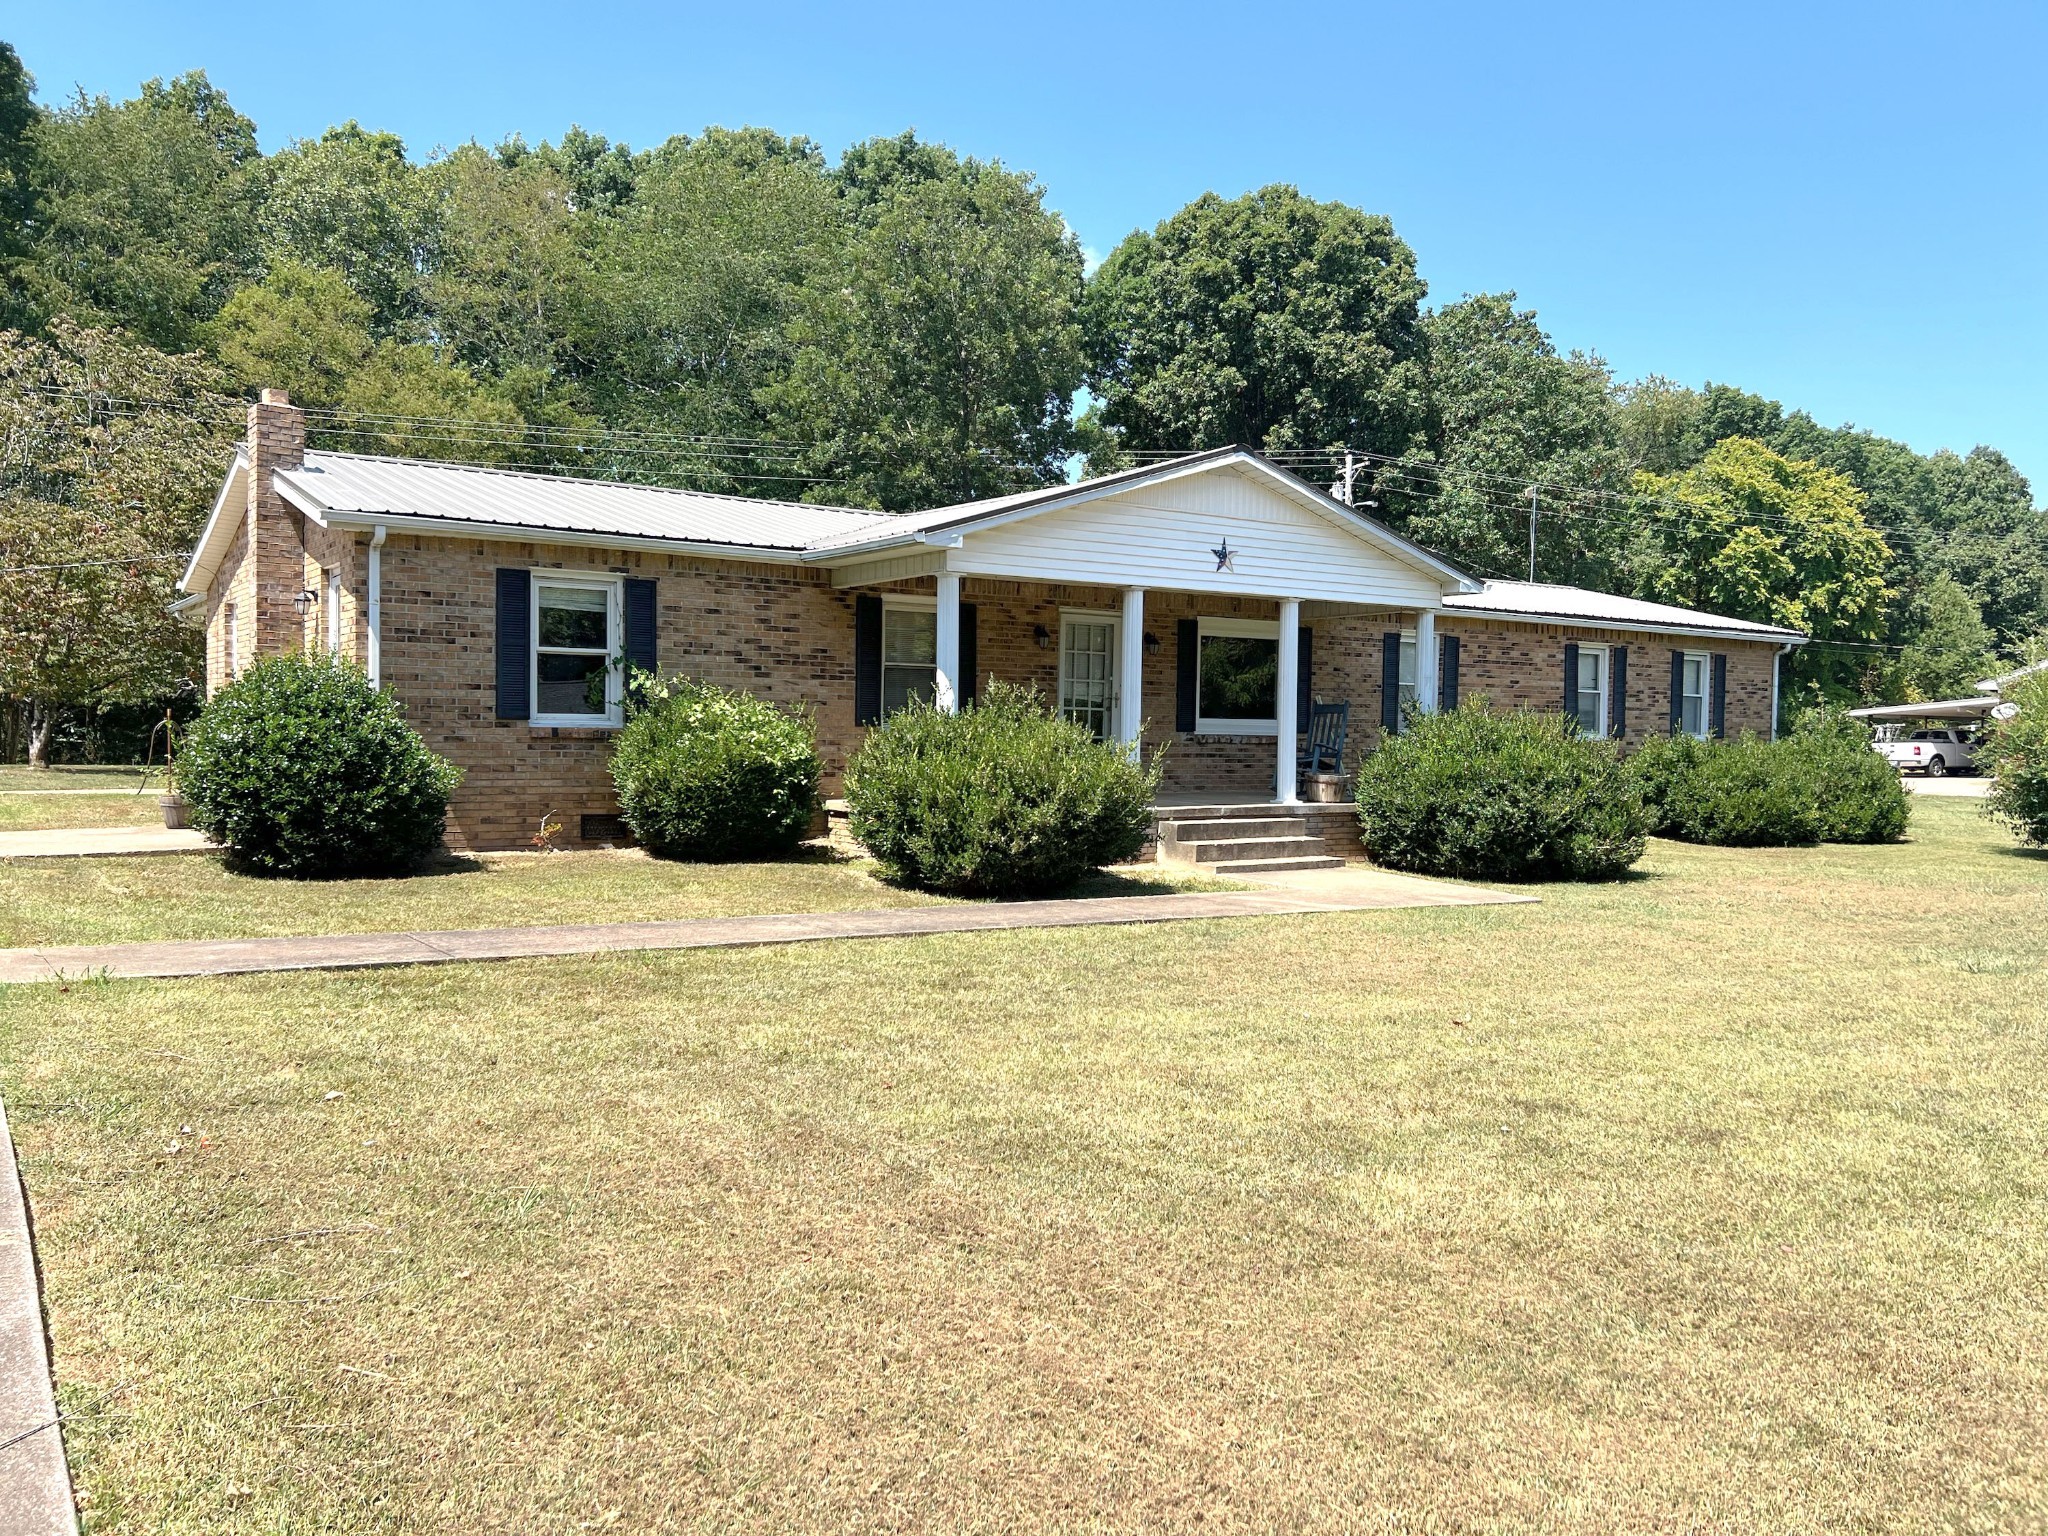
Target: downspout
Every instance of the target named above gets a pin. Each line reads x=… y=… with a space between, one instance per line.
x=1777 y=665
x=376 y=636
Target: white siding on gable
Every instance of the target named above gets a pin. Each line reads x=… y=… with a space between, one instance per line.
x=1165 y=537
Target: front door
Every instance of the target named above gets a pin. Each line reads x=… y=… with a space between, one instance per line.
x=1088 y=672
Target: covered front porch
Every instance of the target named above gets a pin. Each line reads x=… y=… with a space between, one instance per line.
x=1201 y=610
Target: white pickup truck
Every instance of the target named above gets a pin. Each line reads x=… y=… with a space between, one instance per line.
x=1934 y=750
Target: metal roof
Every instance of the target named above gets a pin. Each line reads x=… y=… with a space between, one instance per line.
x=1579 y=605
x=354 y=485
x=1933 y=709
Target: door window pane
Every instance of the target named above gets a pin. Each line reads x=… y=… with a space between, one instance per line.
x=1087 y=673
x=1407 y=693
x=910 y=656
x=1239 y=678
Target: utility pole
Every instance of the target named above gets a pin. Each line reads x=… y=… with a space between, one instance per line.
x=1532 y=532
x=1342 y=490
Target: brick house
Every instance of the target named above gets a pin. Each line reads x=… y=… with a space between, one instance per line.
x=1204 y=604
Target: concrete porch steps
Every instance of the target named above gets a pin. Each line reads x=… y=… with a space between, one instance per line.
x=1243 y=845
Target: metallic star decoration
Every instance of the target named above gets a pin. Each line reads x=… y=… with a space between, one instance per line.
x=1226 y=557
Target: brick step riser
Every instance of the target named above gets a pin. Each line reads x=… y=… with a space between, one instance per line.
x=1271 y=866
x=1219 y=831
x=1236 y=849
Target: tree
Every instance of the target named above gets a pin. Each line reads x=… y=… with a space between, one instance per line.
x=113 y=452
x=695 y=287
x=600 y=175
x=1657 y=422
x=1271 y=320
x=1987 y=535
x=17 y=182
x=351 y=203
x=1952 y=648
x=1507 y=411
x=1753 y=535
x=146 y=209
x=939 y=364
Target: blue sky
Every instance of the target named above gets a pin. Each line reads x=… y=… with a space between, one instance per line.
x=1839 y=206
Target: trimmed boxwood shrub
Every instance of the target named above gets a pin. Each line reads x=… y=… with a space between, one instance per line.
x=1860 y=795
x=1484 y=796
x=1003 y=798
x=2016 y=757
x=303 y=769
x=1822 y=783
x=712 y=774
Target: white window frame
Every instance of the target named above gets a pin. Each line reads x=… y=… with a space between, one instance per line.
x=1706 y=693
x=1600 y=654
x=1116 y=635
x=614 y=588
x=333 y=585
x=1408 y=673
x=1249 y=629
x=231 y=643
x=899 y=603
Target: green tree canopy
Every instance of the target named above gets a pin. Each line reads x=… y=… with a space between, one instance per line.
x=1507 y=411
x=350 y=202
x=1271 y=320
x=940 y=362
x=146 y=209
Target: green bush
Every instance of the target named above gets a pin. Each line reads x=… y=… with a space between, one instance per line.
x=2016 y=757
x=1822 y=783
x=303 y=769
x=1861 y=797
x=1740 y=794
x=1003 y=798
x=712 y=774
x=1482 y=796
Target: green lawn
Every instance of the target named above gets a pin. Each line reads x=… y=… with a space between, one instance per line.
x=1714 y=1200
x=112 y=900
x=22 y=812
x=76 y=776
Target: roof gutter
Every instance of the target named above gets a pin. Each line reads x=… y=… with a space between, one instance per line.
x=431 y=527
x=1783 y=637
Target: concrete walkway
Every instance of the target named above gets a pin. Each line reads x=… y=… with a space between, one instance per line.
x=1346 y=890
x=35 y=1484
x=87 y=842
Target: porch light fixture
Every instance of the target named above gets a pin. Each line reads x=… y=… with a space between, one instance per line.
x=1151 y=643
x=303 y=602
x=1043 y=636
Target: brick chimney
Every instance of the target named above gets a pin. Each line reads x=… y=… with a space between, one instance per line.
x=277 y=538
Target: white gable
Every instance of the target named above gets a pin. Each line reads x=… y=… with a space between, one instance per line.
x=1165 y=535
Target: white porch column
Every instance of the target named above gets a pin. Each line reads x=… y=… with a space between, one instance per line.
x=946 y=684
x=1425 y=662
x=1288 y=684
x=1130 y=667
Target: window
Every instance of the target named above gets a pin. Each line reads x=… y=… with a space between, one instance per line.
x=1408 y=686
x=575 y=638
x=1237 y=679
x=229 y=643
x=1590 y=690
x=334 y=613
x=910 y=654
x=1088 y=671
x=1692 y=694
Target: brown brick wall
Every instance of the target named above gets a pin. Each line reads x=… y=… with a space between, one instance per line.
x=786 y=634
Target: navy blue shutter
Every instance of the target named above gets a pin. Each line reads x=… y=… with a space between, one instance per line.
x=1720 y=693
x=1677 y=690
x=1187 y=664
x=867 y=659
x=970 y=652
x=1447 y=673
x=642 y=625
x=1617 y=693
x=1571 y=681
x=1304 y=696
x=515 y=645
x=1390 y=682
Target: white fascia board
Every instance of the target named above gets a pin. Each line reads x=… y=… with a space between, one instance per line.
x=191 y=581
x=1359 y=526
x=531 y=533
x=1779 y=637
